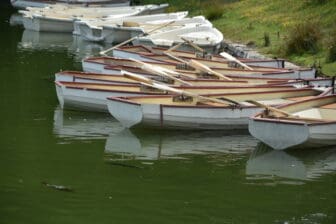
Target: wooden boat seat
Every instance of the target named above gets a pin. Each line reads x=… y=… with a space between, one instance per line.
x=329 y=106
x=317 y=113
x=300 y=98
x=211 y=104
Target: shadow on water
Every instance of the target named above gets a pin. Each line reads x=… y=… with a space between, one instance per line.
x=138 y=148
x=46 y=41
x=56 y=42
x=76 y=125
x=155 y=145
x=146 y=145
x=269 y=166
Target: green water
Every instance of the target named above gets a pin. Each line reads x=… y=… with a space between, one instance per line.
x=122 y=176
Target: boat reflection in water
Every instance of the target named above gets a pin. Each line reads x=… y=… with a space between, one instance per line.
x=16 y=19
x=126 y=145
x=289 y=167
x=72 y=125
x=49 y=41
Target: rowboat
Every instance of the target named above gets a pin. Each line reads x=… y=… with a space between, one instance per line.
x=204 y=36
x=93 y=96
x=307 y=123
x=92 y=30
x=62 y=19
x=118 y=78
x=154 y=53
x=84 y=77
x=22 y=4
x=101 y=65
x=112 y=33
x=289 y=167
x=192 y=112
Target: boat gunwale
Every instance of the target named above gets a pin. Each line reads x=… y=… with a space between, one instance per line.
x=73 y=73
x=138 y=84
x=189 y=52
x=106 y=90
x=129 y=99
x=160 y=62
x=299 y=121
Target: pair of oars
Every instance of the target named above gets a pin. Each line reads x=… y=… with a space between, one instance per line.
x=154 y=84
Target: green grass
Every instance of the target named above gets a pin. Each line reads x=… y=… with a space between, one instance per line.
x=248 y=20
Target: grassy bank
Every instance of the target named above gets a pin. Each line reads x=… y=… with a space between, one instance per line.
x=270 y=26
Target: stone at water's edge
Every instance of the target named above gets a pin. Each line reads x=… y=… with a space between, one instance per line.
x=243 y=51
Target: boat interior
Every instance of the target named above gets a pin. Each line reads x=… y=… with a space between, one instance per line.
x=268 y=98
x=139 y=88
x=309 y=109
x=182 y=67
x=237 y=81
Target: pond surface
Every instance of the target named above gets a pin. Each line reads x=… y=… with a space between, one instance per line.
x=74 y=167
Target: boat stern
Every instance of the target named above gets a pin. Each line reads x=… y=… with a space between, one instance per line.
x=279 y=135
x=127 y=113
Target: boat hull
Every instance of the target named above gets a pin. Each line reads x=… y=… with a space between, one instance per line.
x=39 y=23
x=115 y=35
x=88 y=99
x=170 y=117
x=280 y=135
x=214 y=49
x=22 y=4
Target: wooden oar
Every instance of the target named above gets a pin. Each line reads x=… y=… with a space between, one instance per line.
x=164 y=87
x=174 y=57
x=270 y=108
x=197 y=65
x=231 y=58
x=135 y=37
x=192 y=44
x=174 y=47
x=159 y=71
x=204 y=68
x=286 y=114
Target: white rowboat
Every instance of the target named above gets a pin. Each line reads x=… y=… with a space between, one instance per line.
x=189 y=113
x=312 y=124
x=22 y=4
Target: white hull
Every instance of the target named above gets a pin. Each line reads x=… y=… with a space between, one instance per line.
x=154 y=115
x=61 y=19
x=87 y=99
x=203 y=35
x=314 y=124
x=116 y=35
x=44 y=24
x=284 y=135
x=22 y=4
